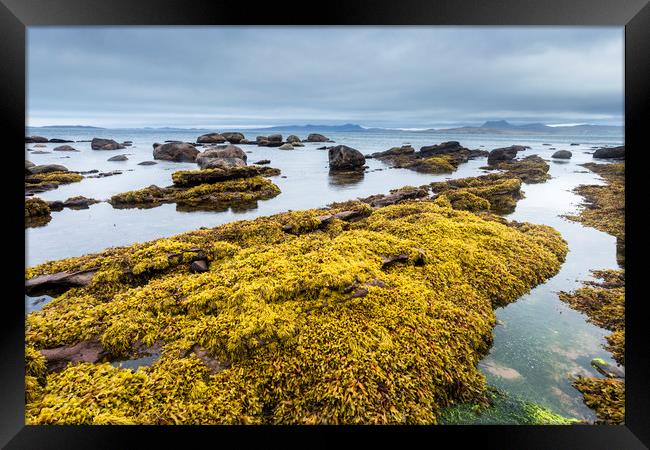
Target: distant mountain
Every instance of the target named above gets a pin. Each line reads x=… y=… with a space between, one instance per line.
x=71 y=126
x=309 y=127
x=504 y=127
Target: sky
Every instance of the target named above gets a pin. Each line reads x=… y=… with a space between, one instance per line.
x=393 y=77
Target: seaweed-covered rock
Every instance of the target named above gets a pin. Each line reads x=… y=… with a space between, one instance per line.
x=308 y=326
x=441 y=149
x=64 y=148
x=37 y=212
x=531 y=169
x=174 y=151
x=233 y=137
x=47 y=180
x=211 y=138
x=105 y=144
x=316 y=137
x=497 y=193
x=394 y=151
x=562 y=154
x=343 y=157
x=605 y=396
x=504 y=154
x=610 y=152
x=187 y=178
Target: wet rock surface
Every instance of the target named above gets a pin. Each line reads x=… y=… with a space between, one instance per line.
x=105 y=144
x=173 y=151
x=343 y=157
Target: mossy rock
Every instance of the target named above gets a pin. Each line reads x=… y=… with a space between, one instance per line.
x=305 y=319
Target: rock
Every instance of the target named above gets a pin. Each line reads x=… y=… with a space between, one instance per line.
x=211 y=138
x=263 y=161
x=606 y=369
x=298 y=144
x=40 y=145
x=90 y=351
x=32 y=139
x=175 y=152
x=504 y=154
x=40 y=152
x=546 y=144
x=104 y=144
x=610 y=152
x=246 y=142
x=573 y=143
x=118 y=158
x=46 y=168
x=222 y=163
x=441 y=149
x=286 y=146
x=233 y=138
x=343 y=157
x=274 y=138
x=221 y=152
x=394 y=151
x=147 y=163
x=60 y=141
x=199 y=266
x=315 y=137
x=28 y=165
x=65 y=148
x=106 y=174
x=324 y=147
x=58 y=282
x=79 y=202
x=292 y=138
x=562 y=154
x=189 y=178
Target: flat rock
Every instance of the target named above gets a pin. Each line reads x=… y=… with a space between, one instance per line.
x=118 y=158
x=147 y=163
x=57 y=282
x=90 y=351
x=65 y=148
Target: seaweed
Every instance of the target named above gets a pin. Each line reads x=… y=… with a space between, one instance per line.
x=493 y=192
x=37 y=212
x=606 y=396
x=531 y=169
x=316 y=316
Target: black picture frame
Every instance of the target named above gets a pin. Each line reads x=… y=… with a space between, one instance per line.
x=634 y=15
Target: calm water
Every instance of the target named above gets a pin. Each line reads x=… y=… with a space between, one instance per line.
x=538 y=343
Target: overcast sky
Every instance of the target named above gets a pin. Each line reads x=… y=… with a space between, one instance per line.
x=406 y=77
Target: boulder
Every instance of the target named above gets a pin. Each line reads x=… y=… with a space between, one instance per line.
x=65 y=148
x=562 y=154
x=610 y=152
x=174 y=151
x=223 y=151
x=221 y=163
x=233 y=138
x=394 y=151
x=441 y=149
x=274 y=138
x=118 y=158
x=79 y=202
x=343 y=157
x=504 y=154
x=316 y=137
x=59 y=141
x=292 y=138
x=286 y=146
x=105 y=144
x=40 y=145
x=211 y=138
x=32 y=139
x=40 y=152
x=46 y=168
x=147 y=163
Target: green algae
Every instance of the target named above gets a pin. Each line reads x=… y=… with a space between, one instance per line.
x=307 y=319
x=502 y=409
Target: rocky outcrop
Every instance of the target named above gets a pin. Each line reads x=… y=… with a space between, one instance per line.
x=179 y=152
x=105 y=144
x=610 y=152
x=189 y=178
x=65 y=148
x=343 y=157
x=504 y=154
x=28 y=165
x=234 y=137
x=562 y=154
x=211 y=138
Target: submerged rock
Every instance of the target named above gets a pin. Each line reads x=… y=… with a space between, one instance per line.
x=65 y=148
x=33 y=139
x=504 y=154
x=343 y=157
x=47 y=168
x=147 y=163
x=118 y=158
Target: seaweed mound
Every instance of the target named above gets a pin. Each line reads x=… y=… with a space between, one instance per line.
x=497 y=193
x=441 y=158
x=531 y=169
x=317 y=316
x=41 y=182
x=207 y=189
x=37 y=212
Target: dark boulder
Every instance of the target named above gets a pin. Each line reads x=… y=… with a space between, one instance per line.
x=60 y=141
x=394 y=151
x=175 y=152
x=504 y=154
x=343 y=157
x=292 y=138
x=220 y=152
x=316 y=137
x=65 y=148
x=610 y=152
x=221 y=163
x=234 y=137
x=211 y=138
x=274 y=138
x=46 y=168
x=199 y=266
x=562 y=154
x=441 y=149
x=262 y=161
x=32 y=139
x=104 y=144
x=147 y=163
x=118 y=158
